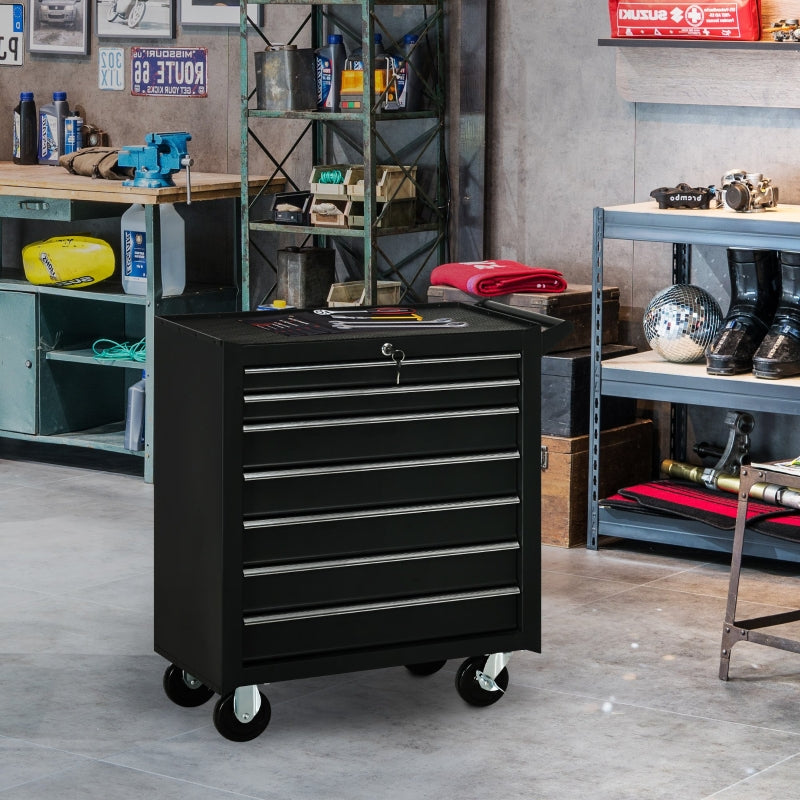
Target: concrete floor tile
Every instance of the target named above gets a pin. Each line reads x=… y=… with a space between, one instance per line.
x=22 y=762
x=623 y=702
x=98 y=781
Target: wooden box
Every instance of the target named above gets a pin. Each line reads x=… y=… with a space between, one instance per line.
x=626 y=456
x=574 y=304
x=567 y=389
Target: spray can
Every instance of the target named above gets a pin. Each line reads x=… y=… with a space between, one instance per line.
x=24 y=147
x=134 y=415
x=73 y=136
x=329 y=64
x=51 y=129
x=411 y=94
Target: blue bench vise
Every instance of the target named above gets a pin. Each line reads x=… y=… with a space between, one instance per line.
x=162 y=155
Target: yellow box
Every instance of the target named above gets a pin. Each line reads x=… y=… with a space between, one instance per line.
x=354 y=294
x=391 y=182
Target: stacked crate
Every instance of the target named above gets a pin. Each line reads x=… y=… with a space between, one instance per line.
x=395 y=196
x=626 y=442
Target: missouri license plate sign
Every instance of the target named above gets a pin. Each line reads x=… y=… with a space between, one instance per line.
x=169 y=71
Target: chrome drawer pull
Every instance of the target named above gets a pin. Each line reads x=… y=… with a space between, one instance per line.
x=388 y=558
x=368 y=364
x=373 y=466
x=293 y=616
x=336 y=422
x=334 y=516
x=381 y=390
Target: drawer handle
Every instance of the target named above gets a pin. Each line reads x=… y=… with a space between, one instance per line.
x=34 y=205
x=388 y=605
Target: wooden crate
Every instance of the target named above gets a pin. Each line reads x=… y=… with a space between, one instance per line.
x=574 y=305
x=626 y=455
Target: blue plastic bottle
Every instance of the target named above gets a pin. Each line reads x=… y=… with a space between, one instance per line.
x=330 y=63
x=51 y=128
x=411 y=92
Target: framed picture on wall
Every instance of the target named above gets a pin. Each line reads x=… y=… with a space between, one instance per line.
x=131 y=19
x=58 y=26
x=217 y=12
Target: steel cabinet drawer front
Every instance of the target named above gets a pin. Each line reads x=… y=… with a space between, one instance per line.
x=379 y=483
x=345 y=628
x=266 y=406
x=339 y=440
x=309 y=536
x=393 y=575
x=382 y=372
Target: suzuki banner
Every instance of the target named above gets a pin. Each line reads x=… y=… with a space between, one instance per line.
x=737 y=20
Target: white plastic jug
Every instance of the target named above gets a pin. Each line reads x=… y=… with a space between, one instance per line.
x=134 y=254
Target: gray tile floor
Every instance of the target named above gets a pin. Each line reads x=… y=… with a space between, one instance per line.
x=623 y=702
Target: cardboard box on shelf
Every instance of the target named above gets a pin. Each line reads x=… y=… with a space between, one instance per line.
x=626 y=453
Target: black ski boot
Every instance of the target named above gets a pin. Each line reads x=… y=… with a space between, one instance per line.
x=778 y=355
x=755 y=291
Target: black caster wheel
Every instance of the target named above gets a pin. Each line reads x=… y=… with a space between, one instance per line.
x=183 y=692
x=470 y=689
x=426 y=667
x=229 y=726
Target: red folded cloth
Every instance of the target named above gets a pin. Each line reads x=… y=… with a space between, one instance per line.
x=490 y=278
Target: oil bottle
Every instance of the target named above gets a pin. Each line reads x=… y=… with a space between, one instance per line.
x=24 y=148
x=329 y=64
x=135 y=266
x=51 y=129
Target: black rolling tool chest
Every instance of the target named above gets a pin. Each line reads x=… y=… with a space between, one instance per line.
x=335 y=500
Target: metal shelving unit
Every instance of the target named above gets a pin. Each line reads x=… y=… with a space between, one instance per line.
x=648 y=377
x=373 y=252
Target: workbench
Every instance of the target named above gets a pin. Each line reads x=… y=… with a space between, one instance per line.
x=52 y=386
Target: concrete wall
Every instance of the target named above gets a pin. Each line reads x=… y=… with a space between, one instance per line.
x=561 y=142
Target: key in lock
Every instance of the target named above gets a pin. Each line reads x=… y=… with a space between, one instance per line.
x=396 y=354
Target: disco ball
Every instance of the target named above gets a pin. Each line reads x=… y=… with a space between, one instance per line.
x=681 y=321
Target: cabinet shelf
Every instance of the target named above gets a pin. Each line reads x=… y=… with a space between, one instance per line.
x=705 y=44
x=715 y=73
x=647 y=376
x=85 y=355
x=110 y=438
x=322 y=230
x=352 y=137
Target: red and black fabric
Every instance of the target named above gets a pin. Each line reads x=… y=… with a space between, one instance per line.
x=492 y=278
x=712 y=507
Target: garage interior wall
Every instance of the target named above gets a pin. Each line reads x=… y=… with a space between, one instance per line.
x=560 y=141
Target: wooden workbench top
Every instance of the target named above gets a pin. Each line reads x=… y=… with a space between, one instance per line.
x=43 y=181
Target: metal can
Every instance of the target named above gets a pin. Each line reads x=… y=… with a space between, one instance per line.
x=73 y=137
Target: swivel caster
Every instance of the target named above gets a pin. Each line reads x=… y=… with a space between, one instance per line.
x=475 y=683
x=242 y=715
x=184 y=689
x=426 y=667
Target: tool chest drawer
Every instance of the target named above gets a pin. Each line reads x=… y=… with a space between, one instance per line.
x=337 y=499
x=360 y=579
x=346 y=628
x=408 y=397
x=370 y=373
x=50 y=208
x=342 y=440
x=378 y=483
x=348 y=533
